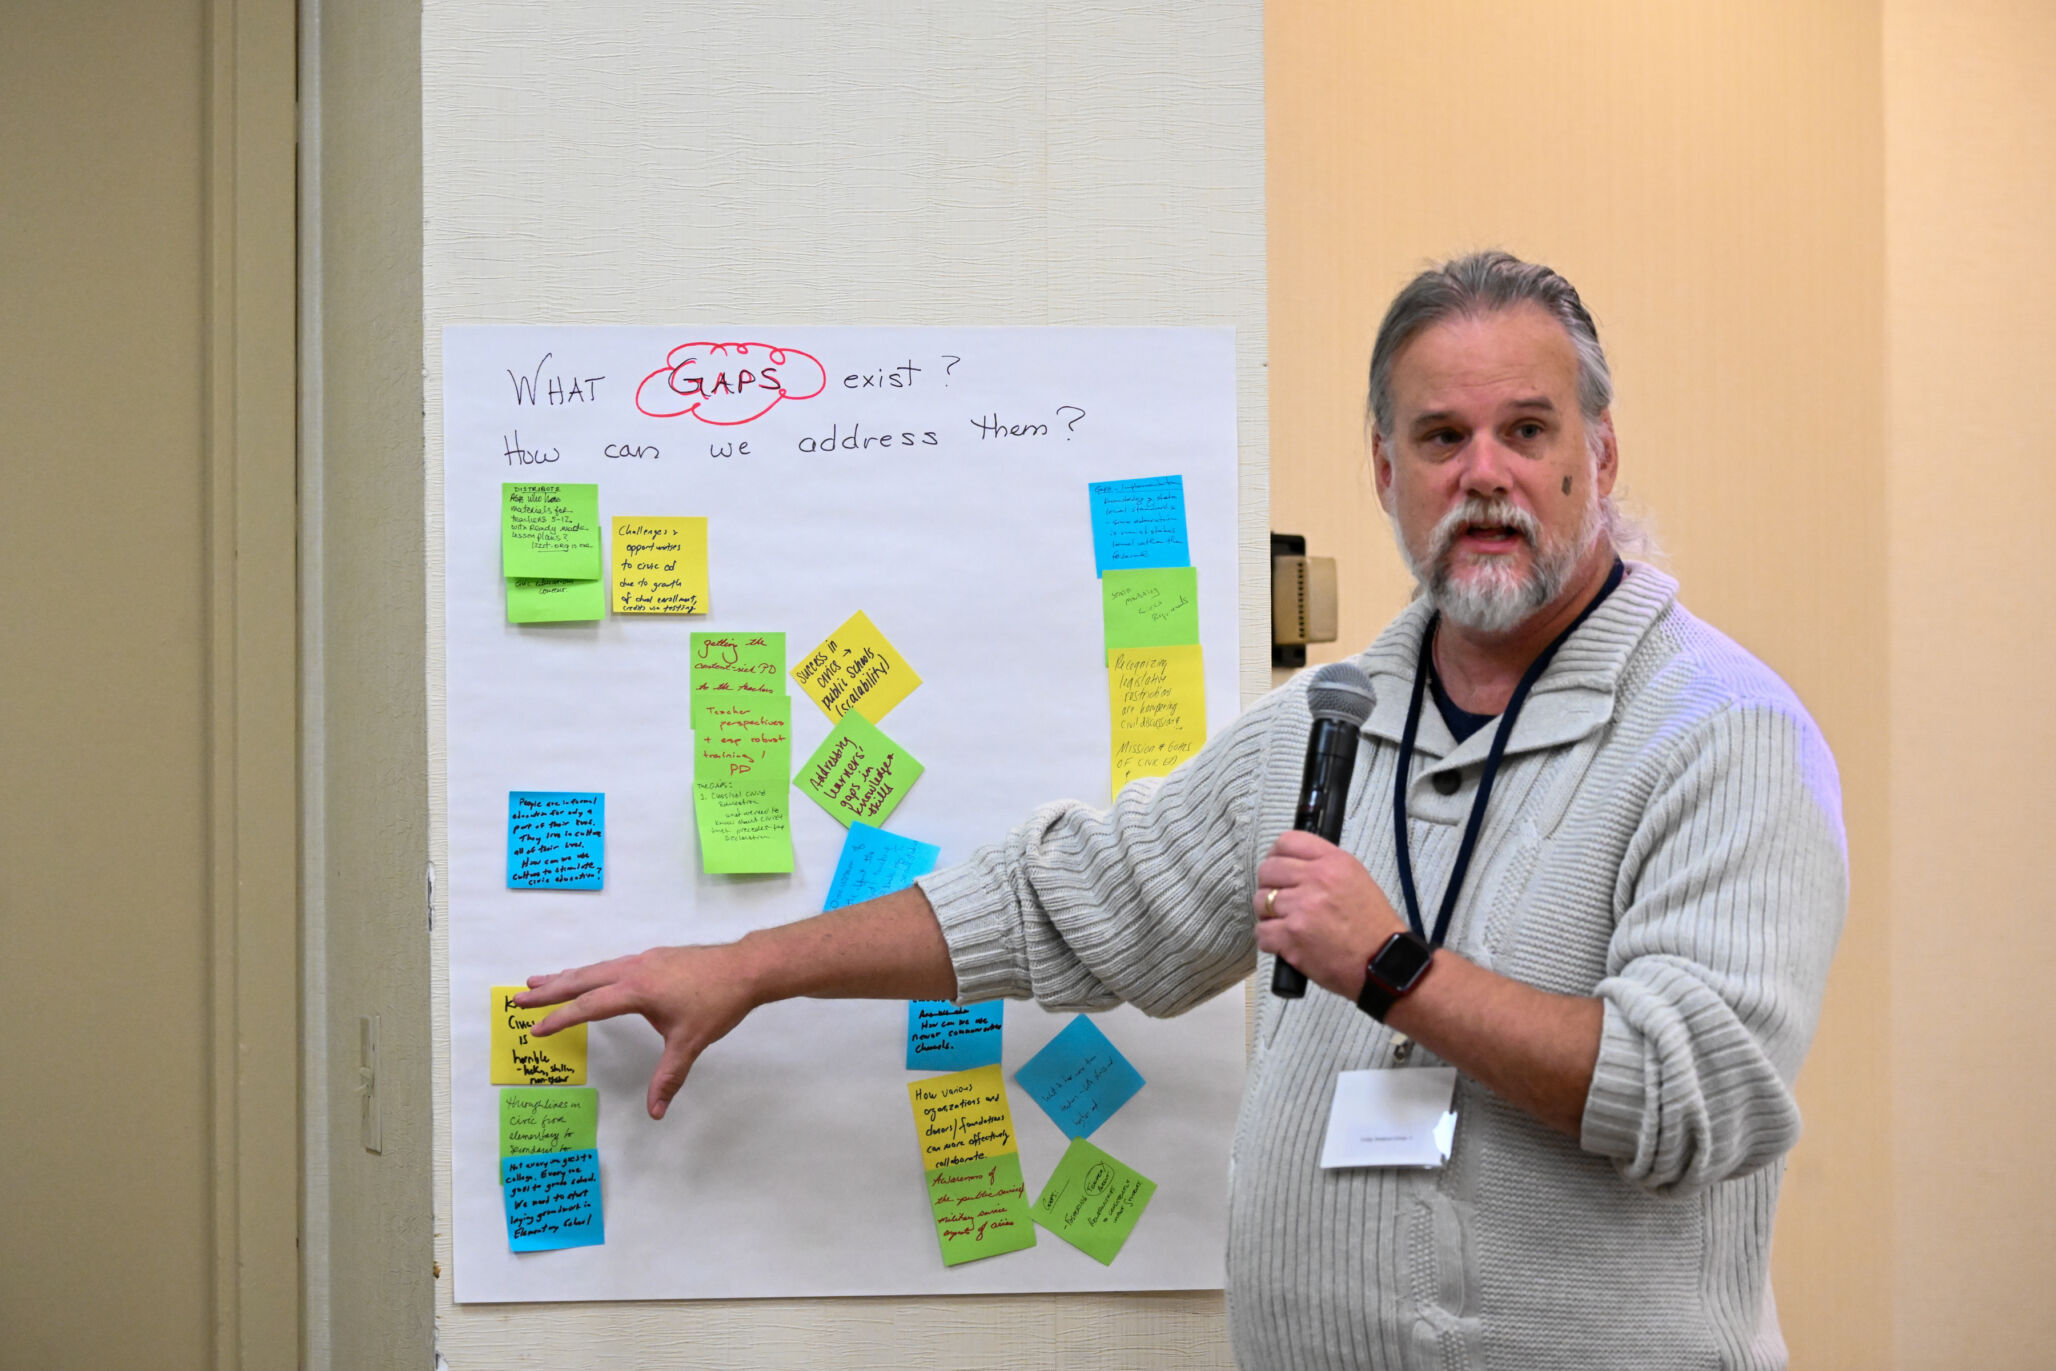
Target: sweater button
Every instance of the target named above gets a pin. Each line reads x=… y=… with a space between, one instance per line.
x=1448 y=782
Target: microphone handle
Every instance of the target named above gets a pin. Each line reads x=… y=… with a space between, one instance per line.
x=1323 y=804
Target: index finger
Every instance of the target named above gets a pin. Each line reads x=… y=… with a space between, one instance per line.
x=604 y=1003
x=556 y=986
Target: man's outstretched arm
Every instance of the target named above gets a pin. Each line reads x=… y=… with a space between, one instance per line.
x=1079 y=907
x=890 y=948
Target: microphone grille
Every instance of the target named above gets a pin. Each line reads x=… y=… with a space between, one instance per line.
x=1342 y=692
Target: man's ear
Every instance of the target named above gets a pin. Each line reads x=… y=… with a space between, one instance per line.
x=1607 y=468
x=1381 y=470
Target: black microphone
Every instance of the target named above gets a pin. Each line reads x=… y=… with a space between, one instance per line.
x=1339 y=696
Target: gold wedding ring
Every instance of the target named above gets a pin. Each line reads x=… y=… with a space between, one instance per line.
x=1271 y=903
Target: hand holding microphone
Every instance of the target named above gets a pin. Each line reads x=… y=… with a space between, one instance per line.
x=1339 y=697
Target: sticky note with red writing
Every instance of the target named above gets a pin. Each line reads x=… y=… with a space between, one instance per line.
x=741 y=752
x=736 y=668
x=1093 y=1202
x=858 y=772
x=854 y=668
x=980 y=1208
x=973 y=1164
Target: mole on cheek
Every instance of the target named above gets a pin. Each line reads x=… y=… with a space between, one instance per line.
x=1566 y=485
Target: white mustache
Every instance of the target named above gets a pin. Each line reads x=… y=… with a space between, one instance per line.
x=1479 y=512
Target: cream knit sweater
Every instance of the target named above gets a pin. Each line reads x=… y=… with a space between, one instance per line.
x=1665 y=834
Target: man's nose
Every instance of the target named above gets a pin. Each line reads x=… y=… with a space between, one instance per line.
x=1487 y=466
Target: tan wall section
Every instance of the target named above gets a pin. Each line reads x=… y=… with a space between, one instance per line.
x=1971 y=195
x=147 y=693
x=102 y=240
x=1710 y=177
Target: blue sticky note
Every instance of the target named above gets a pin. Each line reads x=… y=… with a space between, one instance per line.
x=553 y=1201
x=556 y=840
x=1079 y=1078
x=875 y=863
x=953 y=1037
x=1139 y=523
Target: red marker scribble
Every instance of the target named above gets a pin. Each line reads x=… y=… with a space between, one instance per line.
x=728 y=383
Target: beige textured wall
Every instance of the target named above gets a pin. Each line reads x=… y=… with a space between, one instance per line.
x=147 y=690
x=1970 y=137
x=1711 y=177
x=104 y=243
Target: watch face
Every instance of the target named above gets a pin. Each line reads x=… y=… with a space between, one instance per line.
x=1402 y=961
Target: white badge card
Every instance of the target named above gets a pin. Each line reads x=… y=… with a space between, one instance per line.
x=1392 y=1118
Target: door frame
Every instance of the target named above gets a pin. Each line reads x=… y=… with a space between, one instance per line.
x=252 y=627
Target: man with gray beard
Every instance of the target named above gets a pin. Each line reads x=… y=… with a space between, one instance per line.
x=1586 y=904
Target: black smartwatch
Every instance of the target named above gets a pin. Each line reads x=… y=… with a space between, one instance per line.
x=1394 y=969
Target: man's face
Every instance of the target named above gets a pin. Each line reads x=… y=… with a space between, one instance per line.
x=1491 y=476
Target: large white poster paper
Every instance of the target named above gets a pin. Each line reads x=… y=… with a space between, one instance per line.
x=936 y=480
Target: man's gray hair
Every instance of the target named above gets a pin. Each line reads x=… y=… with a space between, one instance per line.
x=1486 y=283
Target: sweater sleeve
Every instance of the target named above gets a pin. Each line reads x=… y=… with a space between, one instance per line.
x=1732 y=899
x=1147 y=903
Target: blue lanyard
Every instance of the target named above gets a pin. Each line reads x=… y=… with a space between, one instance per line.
x=1500 y=737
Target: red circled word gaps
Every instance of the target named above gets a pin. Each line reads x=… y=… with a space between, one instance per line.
x=728 y=383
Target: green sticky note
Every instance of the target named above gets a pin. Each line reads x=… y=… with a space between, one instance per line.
x=742 y=752
x=858 y=772
x=532 y=600
x=745 y=829
x=981 y=1208
x=539 y=1119
x=550 y=530
x=748 y=740
x=736 y=667
x=1093 y=1201
x=1150 y=607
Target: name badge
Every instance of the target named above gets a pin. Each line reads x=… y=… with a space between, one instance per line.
x=1392 y=1118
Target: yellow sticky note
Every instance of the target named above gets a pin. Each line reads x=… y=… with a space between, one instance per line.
x=1158 y=699
x=963 y=1117
x=855 y=668
x=660 y=565
x=521 y=1058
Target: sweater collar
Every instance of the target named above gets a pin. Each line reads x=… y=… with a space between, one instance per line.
x=1574 y=696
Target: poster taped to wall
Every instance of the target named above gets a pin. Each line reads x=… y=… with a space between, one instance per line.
x=910 y=510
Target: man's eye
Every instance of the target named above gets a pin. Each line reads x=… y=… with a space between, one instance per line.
x=1528 y=431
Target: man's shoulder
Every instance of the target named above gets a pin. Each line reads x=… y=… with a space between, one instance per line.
x=1696 y=706
x=1689 y=671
